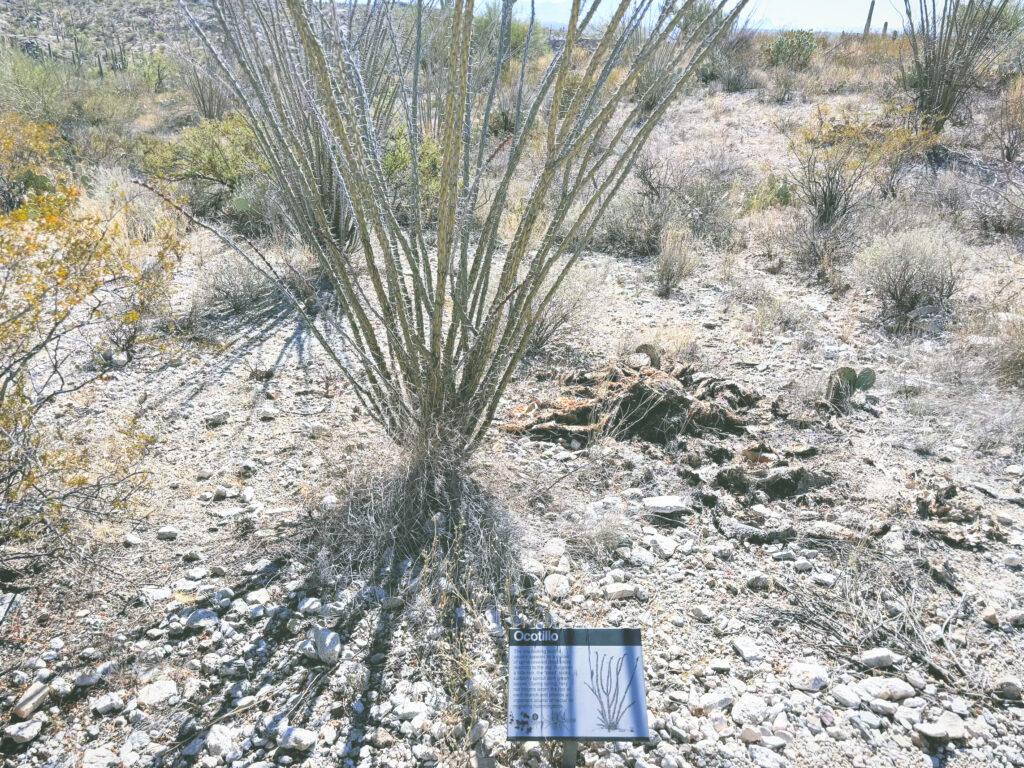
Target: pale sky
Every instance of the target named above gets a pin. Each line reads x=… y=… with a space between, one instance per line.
x=821 y=15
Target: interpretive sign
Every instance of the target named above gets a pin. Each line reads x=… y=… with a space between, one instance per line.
x=576 y=684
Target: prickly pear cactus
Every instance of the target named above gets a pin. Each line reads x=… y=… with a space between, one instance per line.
x=865 y=379
x=844 y=382
x=652 y=351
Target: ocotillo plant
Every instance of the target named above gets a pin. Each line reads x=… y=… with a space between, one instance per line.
x=433 y=325
x=949 y=46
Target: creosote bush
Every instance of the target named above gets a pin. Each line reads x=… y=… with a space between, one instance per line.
x=433 y=331
x=791 y=50
x=216 y=162
x=912 y=273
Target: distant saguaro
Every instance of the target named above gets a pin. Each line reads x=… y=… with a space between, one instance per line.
x=867 y=24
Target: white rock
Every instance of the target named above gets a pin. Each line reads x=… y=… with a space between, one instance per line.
x=715 y=699
x=553 y=549
x=876 y=658
x=408 y=709
x=807 y=676
x=106 y=704
x=556 y=585
x=299 y=739
x=749 y=709
x=157 y=693
x=663 y=546
x=167 y=533
x=309 y=606
x=33 y=698
x=702 y=613
x=495 y=738
x=328 y=645
x=150 y=594
x=747 y=648
x=887 y=688
x=23 y=733
x=220 y=740
x=845 y=696
x=619 y=591
x=203 y=619
x=765 y=758
x=665 y=505
x=642 y=557
x=99 y=758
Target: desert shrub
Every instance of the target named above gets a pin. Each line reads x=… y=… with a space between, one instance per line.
x=696 y=194
x=653 y=81
x=633 y=225
x=211 y=100
x=231 y=284
x=487 y=31
x=67 y=277
x=1010 y=348
x=567 y=313
x=834 y=157
x=950 y=48
x=397 y=165
x=26 y=148
x=213 y=161
x=896 y=144
x=766 y=312
x=677 y=259
x=732 y=62
x=791 y=50
x=1008 y=121
x=703 y=192
x=89 y=111
x=772 y=191
x=912 y=272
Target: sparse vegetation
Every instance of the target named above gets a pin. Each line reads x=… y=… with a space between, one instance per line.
x=337 y=345
x=677 y=259
x=912 y=273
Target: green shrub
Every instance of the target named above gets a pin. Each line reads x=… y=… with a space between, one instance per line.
x=75 y=100
x=772 y=191
x=791 y=50
x=397 y=165
x=213 y=160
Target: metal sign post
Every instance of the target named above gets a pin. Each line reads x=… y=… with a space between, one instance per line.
x=575 y=685
x=570 y=751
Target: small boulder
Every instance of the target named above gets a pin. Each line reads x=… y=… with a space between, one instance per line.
x=556 y=585
x=157 y=693
x=747 y=648
x=328 y=645
x=299 y=739
x=807 y=676
x=23 y=733
x=877 y=658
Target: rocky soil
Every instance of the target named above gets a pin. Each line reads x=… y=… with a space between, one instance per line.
x=815 y=586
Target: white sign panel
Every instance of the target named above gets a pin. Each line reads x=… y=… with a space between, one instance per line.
x=580 y=684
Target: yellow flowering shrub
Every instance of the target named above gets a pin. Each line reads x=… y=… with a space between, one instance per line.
x=68 y=275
